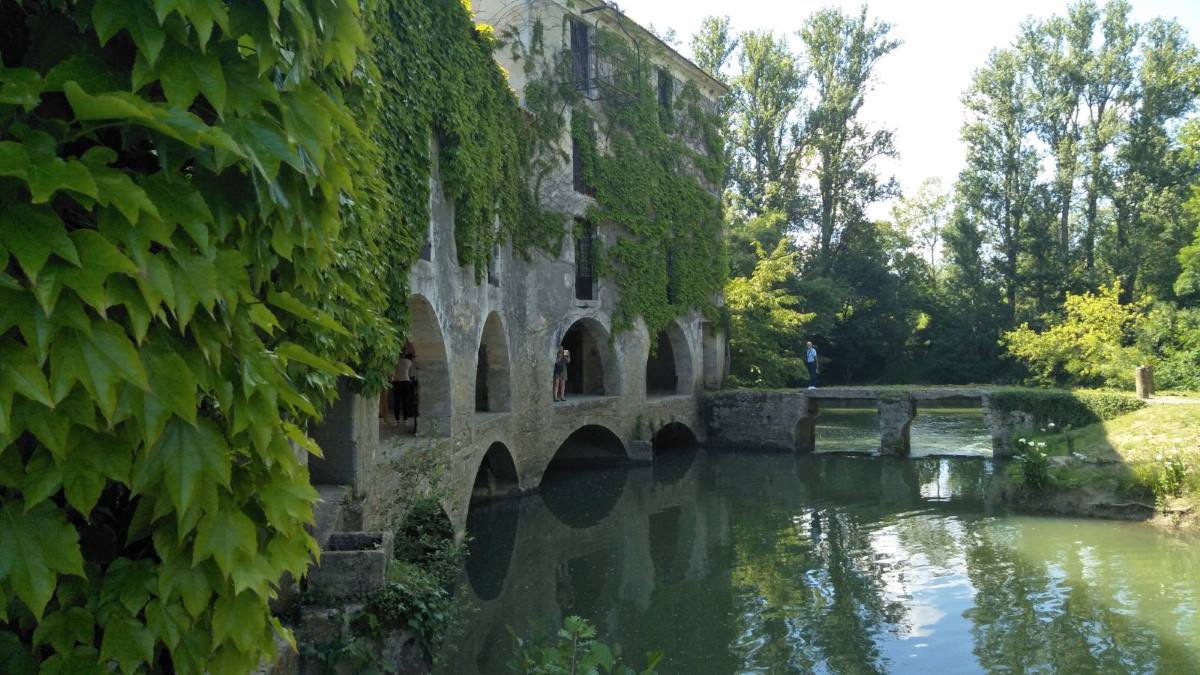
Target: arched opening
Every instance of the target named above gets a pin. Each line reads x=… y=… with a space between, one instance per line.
x=669 y=363
x=590 y=445
x=493 y=391
x=592 y=368
x=428 y=412
x=497 y=475
x=674 y=436
x=492 y=524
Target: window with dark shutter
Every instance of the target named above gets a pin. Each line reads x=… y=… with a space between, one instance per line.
x=581 y=55
x=584 y=242
x=666 y=95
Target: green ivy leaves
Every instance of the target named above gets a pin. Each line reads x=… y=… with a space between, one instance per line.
x=191 y=173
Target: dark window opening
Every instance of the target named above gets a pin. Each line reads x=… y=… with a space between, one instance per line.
x=481 y=381
x=577 y=167
x=661 y=377
x=672 y=284
x=666 y=95
x=581 y=55
x=493 y=275
x=584 y=244
x=585 y=372
x=427 y=248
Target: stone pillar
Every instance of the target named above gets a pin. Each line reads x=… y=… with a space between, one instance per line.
x=895 y=420
x=349 y=437
x=806 y=428
x=1143 y=379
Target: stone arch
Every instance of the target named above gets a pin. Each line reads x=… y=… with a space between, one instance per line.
x=593 y=369
x=497 y=475
x=492 y=526
x=669 y=363
x=674 y=436
x=493 y=380
x=432 y=368
x=589 y=445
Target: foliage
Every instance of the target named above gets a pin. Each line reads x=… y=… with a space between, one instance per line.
x=764 y=320
x=1170 y=479
x=577 y=651
x=172 y=178
x=1033 y=466
x=1092 y=344
x=1064 y=408
x=1172 y=335
x=417 y=596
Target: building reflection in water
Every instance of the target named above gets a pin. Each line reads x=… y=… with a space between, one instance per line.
x=771 y=563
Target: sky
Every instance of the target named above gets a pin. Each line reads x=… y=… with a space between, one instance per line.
x=918 y=86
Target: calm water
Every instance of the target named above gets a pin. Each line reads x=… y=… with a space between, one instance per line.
x=740 y=563
x=935 y=431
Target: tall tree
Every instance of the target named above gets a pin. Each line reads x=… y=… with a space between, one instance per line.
x=843 y=50
x=1151 y=180
x=712 y=45
x=996 y=185
x=922 y=216
x=766 y=94
x=1055 y=52
x=1108 y=75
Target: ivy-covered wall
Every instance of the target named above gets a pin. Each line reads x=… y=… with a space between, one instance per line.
x=655 y=175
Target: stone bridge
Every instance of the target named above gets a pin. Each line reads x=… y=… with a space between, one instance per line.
x=785 y=419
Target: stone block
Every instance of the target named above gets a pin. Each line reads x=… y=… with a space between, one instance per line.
x=352 y=564
x=895 y=423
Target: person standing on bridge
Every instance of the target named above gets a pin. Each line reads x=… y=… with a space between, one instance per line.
x=560 y=373
x=810 y=360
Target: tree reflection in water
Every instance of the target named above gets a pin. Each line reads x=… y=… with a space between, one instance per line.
x=770 y=563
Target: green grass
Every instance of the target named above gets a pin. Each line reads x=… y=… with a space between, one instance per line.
x=1128 y=457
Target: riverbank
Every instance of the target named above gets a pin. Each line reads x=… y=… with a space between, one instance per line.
x=1143 y=465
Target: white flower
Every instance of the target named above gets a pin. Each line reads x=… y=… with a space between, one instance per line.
x=1051 y=425
x=1021 y=440
x=1041 y=445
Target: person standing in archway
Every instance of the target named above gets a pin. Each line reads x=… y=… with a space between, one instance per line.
x=560 y=373
x=402 y=388
x=810 y=360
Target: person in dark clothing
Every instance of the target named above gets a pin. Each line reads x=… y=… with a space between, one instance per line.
x=560 y=373
x=402 y=388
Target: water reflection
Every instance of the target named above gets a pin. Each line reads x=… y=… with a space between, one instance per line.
x=947 y=429
x=768 y=563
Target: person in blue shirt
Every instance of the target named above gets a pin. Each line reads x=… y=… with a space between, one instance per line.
x=810 y=360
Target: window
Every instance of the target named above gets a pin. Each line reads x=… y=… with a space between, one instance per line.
x=672 y=292
x=666 y=94
x=493 y=274
x=583 y=159
x=584 y=244
x=581 y=55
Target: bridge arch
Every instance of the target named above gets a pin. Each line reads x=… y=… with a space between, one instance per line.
x=591 y=446
x=493 y=380
x=674 y=436
x=594 y=368
x=669 y=363
x=497 y=475
x=588 y=446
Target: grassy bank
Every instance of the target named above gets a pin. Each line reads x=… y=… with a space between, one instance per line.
x=1143 y=464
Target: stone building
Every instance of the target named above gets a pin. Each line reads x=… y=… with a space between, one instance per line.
x=485 y=350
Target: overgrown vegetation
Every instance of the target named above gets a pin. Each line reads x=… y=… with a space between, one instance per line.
x=189 y=194
x=417 y=597
x=1062 y=408
x=576 y=650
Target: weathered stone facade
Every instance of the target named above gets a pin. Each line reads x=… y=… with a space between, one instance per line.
x=485 y=352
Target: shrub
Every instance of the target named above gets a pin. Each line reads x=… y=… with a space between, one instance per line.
x=1034 y=466
x=577 y=651
x=1063 y=408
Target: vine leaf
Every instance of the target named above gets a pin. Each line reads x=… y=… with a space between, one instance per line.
x=31 y=234
x=127 y=641
x=221 y=535
x=35 y=546
x=185 y=461
x=134 y=16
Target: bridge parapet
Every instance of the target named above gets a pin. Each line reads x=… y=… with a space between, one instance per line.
x=784 y=420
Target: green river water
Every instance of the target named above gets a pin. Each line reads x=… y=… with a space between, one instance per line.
x=827 y=563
